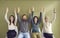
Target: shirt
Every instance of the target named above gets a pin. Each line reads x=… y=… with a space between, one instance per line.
x=12 y=26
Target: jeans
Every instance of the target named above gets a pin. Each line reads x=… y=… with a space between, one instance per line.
x=24 y=35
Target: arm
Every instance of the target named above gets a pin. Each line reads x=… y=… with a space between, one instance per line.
x=40 y=18
x=30 y=15
x=18 y=18
x=43 y=15
x=15 y=17
x=6 y=16
x=54 y=16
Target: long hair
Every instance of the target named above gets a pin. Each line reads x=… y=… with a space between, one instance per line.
x=34 y=18
x=13 y=19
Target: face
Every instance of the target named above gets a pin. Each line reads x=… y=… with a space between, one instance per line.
x=11 y=18
x=35 y=19
x=46 y=19
x=24 y=17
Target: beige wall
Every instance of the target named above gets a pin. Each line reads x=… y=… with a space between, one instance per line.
x=24 y=5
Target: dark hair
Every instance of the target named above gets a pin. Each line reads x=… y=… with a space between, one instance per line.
x=34 y=18
x=23 y=15
x=13 y=19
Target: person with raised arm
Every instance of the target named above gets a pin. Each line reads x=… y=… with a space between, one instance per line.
x=35 y=30
x=12 y=28
x=47 y=25
x=24 y=25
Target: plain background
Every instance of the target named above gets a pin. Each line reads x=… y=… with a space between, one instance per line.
x=24 y=6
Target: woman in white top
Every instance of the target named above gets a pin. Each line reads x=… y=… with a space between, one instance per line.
x=12 y=28
x=47 y=25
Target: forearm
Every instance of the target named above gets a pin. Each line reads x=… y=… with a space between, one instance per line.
x=54 y=17
x=15 y=18
x=18 y=18
x=31 y=16
x=6 y=17
x=40 y=17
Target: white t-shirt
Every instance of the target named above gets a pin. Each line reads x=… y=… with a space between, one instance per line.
x=12 y=27
x=47 y=28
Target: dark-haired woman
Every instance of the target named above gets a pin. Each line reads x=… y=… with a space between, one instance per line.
x=36 y=33
x=12 y=28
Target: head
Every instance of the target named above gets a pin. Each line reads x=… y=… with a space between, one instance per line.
x=46 y=18
x=11 y=19
x=24 y=17
x=35 y=19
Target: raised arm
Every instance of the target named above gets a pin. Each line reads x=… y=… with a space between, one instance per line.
x=31 y=11
x=6 y=16
x=40 y=17
x=18 y=18
x=15 y=16
x=54 y=16
x=43 y=15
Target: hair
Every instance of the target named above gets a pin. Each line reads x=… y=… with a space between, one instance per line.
x=13 y=19
x=23 y=15
x=34 y=18
x=46 y=16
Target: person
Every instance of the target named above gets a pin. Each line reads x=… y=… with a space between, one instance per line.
x=24 y=25
x=12 y=28
x=35 y=30
x=47 y=25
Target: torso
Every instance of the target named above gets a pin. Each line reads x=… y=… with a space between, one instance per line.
x=47 y=27
x=11 y=26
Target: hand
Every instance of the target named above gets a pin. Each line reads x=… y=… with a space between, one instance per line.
x=15 y=10
x=42 y=10
x=7 y=10
x=54 y=11
x=29 y=10
x=18 y=10
x=32 y=9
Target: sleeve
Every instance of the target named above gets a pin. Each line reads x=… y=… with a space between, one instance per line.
x=30 y=16
x=53 y=18
x=15 y=18
x=18 y=18
x=6 y=18
x=40 y=17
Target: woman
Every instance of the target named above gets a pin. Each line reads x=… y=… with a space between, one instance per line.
x=36 y=25
x=47 y=25
x=12 y=28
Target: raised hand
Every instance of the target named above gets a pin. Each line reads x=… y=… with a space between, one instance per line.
x=7 y=10
x=18 y=10
x=54 y=10
x=32 y=9
x=15 y=10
